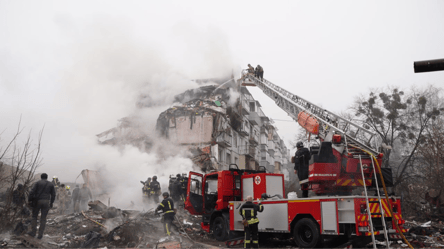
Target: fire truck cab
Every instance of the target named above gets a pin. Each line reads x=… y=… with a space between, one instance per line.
x=210 y=195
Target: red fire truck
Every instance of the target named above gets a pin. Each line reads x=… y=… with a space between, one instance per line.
x=217 y=197
x=342 y=163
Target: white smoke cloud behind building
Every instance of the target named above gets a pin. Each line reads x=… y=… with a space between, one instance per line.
x=77 y=76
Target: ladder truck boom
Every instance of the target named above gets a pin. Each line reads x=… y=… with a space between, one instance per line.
x=301 y=110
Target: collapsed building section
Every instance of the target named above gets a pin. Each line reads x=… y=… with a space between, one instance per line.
x=219 y=123
x=223 y=126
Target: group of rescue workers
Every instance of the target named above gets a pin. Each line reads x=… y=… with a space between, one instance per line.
x=41 y=199
x=77 y=200
x=258 y=71
x=151 y=189
x=177 y=188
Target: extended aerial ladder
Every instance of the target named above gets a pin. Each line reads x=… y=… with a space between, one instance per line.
x=354 y=147
x=314 y=119
x=346 y=147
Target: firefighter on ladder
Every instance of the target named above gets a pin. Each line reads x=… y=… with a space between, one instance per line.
x=167 y=206
x=248 y=211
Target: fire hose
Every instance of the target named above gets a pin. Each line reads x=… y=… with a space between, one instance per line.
x=386 y=194
x=93 y=220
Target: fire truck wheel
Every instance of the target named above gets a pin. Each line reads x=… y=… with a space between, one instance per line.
x=306 y=233
x=220 y=229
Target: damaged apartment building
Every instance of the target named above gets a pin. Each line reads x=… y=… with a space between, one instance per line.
x=220 y=124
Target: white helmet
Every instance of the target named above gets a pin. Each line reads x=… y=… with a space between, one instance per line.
x=54 y=177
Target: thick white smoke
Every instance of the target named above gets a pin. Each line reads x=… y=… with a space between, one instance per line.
x=99 y=74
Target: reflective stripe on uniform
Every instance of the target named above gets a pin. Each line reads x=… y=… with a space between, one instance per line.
x=169 y=211
x=169 y=203
x=168 y=231
x=161 y=205
x=255 y=241
x=252 y=221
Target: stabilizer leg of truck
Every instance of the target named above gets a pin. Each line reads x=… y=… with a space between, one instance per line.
x=234 y=242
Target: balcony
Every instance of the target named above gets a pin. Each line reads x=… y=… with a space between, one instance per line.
x=278 y=157
x=254 y=118
x=264 y=130
x=257 y=155
x=252 y=151
x=265 y=157
x=271 y=145
x=244 y=130
x=254 y=139
x=264 y=147
x=249 y=151
x=223 y=139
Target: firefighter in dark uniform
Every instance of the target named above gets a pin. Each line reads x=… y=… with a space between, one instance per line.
x=167 y=206
x=183 y=188
x=249 y=211
x=259 y=72
x=176 y=188
x=155 y=189
x=146 y=187
x=301 y=162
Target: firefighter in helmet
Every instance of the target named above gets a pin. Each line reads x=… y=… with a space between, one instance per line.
x=176 y=189
x=56 y=182
x=146 y=186
x=155 y=189
x=167 y=207
x=248 y=211
x=250 y=69
x=301 y=162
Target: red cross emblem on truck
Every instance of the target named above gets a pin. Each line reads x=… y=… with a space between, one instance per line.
x=257 y=180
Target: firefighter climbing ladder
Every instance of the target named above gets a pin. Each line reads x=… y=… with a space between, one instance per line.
x=328 y=122
x=378 y=202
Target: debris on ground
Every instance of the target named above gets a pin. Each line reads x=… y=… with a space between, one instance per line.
x=109 y=227
x=102 y=226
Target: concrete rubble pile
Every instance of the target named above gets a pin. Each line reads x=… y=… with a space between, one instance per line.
x=110 y=227
x=420 y=235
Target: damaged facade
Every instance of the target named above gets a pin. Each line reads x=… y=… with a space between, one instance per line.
x=224 y=126
x=220 y=124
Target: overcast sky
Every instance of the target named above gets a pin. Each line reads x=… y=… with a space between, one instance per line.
x=77 y=67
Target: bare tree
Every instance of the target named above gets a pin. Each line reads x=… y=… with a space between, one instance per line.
x=425 y=107
x=18 y=163
x=400 y=121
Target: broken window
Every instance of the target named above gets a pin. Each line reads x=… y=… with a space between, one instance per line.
x=252 y=107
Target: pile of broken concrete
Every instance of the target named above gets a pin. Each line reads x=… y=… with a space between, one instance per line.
x=109 y=227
